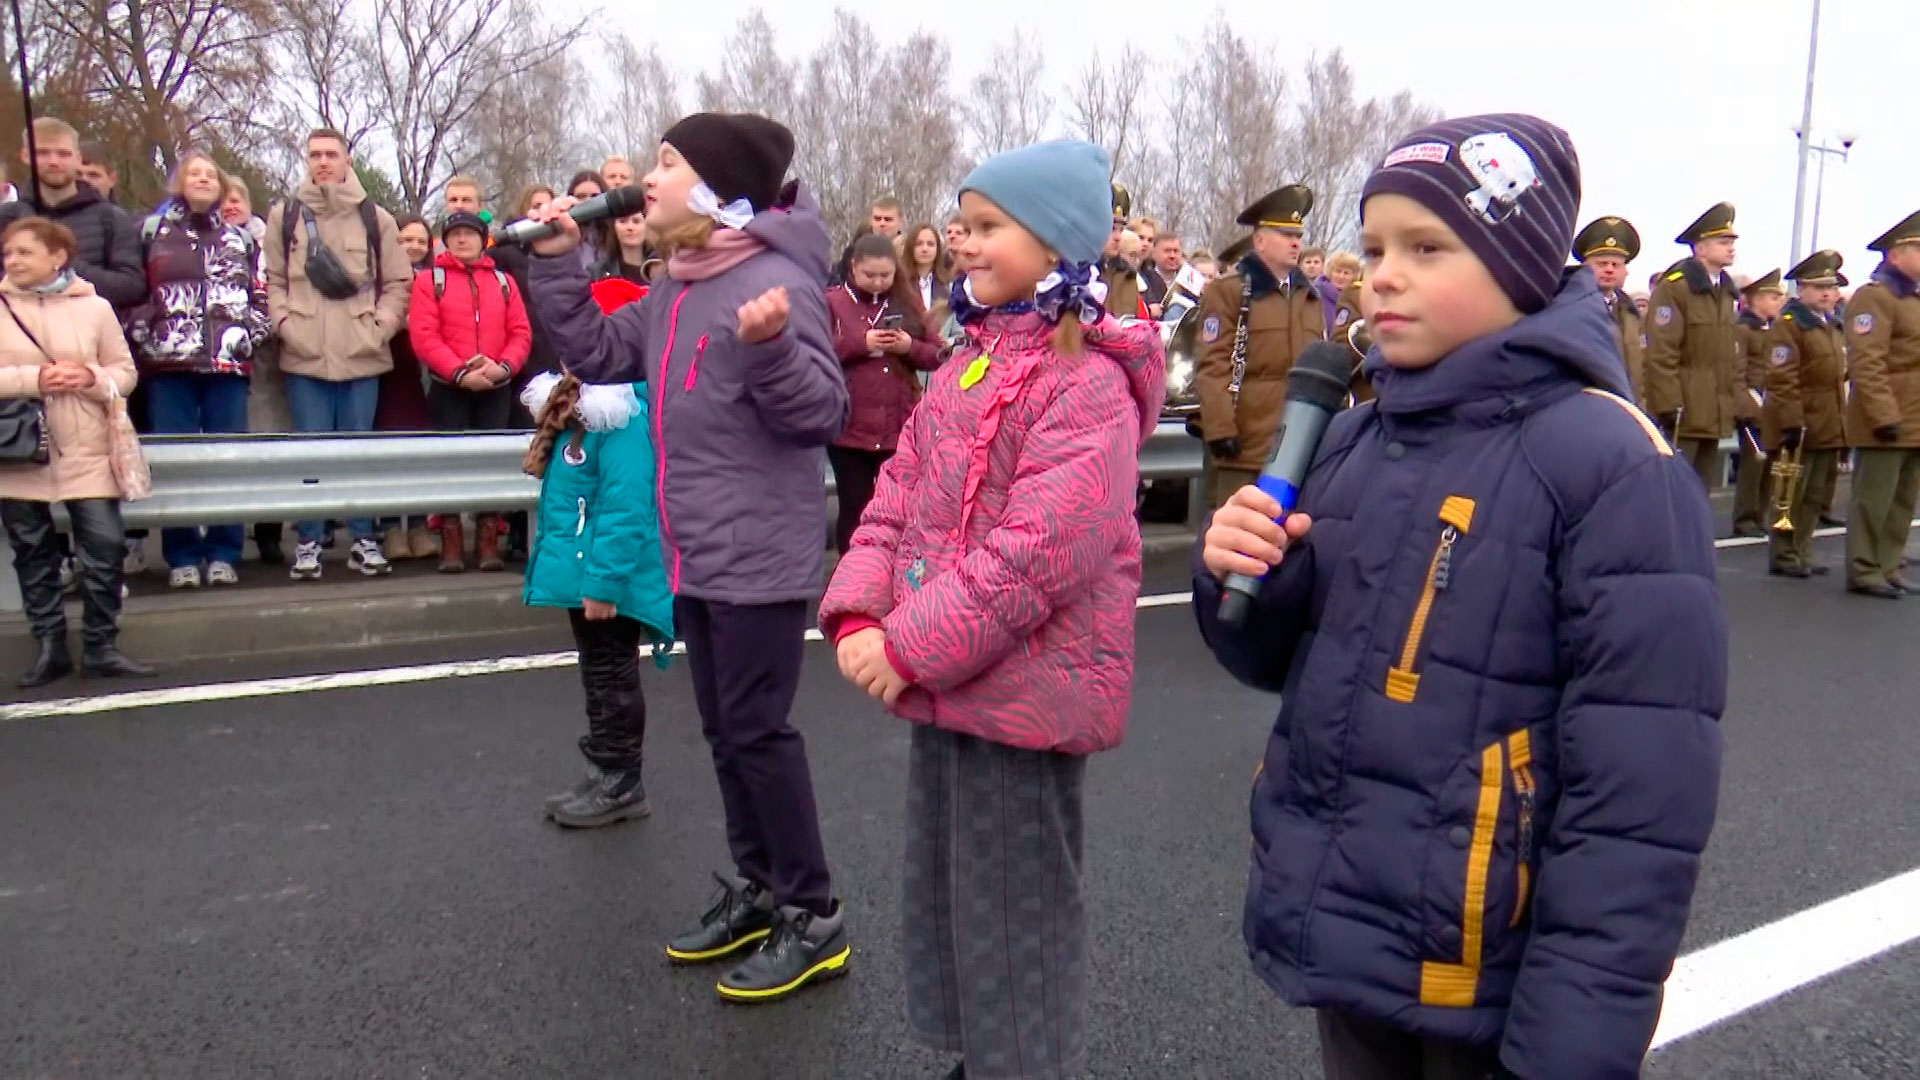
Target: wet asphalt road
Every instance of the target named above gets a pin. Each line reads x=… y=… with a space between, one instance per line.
x=358 y=882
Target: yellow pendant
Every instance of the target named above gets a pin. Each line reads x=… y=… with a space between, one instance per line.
x=975 y=371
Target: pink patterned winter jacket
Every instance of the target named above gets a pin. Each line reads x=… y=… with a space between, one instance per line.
x=1001 y=554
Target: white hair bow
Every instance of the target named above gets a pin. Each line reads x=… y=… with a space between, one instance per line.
x=735 y=215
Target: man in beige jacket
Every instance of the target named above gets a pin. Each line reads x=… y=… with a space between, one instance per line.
x=334 y=332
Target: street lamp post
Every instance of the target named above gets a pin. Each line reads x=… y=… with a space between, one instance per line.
x=1820 y=182
x=1805 y=133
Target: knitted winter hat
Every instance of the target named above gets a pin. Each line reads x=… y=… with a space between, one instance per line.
x=739 y=155
x=463 y=219
x=1058 y=190
x=1507 y=184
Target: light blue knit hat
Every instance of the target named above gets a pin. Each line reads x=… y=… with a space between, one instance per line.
x=1058 y=190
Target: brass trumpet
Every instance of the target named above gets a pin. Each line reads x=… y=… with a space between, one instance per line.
x=1789 y=477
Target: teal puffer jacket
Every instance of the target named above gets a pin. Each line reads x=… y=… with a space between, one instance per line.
x=599 y=526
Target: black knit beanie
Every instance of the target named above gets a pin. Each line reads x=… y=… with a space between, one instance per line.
x=1507 y=184
x=739 y=155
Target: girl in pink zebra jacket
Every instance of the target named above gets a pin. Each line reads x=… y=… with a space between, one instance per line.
x=988 y=598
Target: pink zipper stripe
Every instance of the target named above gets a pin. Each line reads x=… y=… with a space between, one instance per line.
x=660 y=437
x=693 y=369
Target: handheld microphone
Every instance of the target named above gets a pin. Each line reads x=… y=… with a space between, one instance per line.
x=617 y=203
x=1316 y=389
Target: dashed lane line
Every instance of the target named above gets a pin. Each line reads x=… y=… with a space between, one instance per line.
x=458 y=669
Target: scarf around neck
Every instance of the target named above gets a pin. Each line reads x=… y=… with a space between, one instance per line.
x=61 y=282
x=726 y=249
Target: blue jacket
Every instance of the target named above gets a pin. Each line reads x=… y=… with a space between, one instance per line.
x=1502 y=658
x=599 y=534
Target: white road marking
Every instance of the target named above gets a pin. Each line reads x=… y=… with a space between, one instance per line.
x=1740 y=973
x=459 y=669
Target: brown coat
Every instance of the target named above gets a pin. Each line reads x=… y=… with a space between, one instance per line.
x=1806 y=360
x=1694 y=363
x=1282 y=320
x=74 y=326
x=1633 y=343
x=1883 y=361
x=1346 y=312
x=1753 y=336
x=336 y=340
x=1123 y=289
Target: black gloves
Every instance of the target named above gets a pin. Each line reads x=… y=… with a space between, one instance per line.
x=1224 y=449
x=1790 y=438
x=1887 y=433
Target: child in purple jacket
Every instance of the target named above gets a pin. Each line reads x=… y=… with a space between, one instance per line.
x=745 y=394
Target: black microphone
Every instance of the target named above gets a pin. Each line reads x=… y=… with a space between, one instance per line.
x=1316 y=389
x=618 y=203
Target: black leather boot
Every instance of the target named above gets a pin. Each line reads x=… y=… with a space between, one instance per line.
x=108 y=662
x=51 y=661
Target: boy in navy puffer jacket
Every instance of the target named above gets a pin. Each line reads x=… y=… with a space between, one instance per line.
x=1501 y=651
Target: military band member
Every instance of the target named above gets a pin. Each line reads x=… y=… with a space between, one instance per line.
x=1122 y=277
x=1346 y=312
x=1254 y=322
x=1696 y=386
x=1805 y=357
x=1605 y=247
x=1760 y=304
x=1883 y=413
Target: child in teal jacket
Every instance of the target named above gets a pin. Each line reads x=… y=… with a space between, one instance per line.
x=598 y=555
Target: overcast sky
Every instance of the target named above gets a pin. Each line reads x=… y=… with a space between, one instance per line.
x=1673 y=104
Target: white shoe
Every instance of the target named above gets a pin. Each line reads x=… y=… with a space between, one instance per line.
x=306 y=562
x=184 y=577
x=221 y=573
x=366 y=558
x=68 y=581
x=135 y=561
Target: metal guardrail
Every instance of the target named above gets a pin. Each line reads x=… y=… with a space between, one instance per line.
x=246 y=478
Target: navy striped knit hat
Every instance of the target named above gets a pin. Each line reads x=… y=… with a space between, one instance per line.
x=1507 y=184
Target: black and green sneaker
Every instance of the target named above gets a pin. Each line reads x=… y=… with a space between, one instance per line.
x=742 y=915
x=802 y=949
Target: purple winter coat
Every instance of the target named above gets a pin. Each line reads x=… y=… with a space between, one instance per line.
x=741 y=429
x=1329 y=299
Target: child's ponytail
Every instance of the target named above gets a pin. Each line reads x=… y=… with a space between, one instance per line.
x=1067 y=338
x=554 y=418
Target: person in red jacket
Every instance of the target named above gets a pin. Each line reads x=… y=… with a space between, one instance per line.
x=469 y=328
x=881 y=334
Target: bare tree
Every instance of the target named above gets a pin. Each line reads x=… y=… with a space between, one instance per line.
x=920 y=134
x=1106 y=106
x=168 y=73
x=1238 y=131
x=643 y=98
x=841 y=152
x=324 y=53
x=1009 y=102
x=524 y=130
x=752 y=76
x=434 y=63
x=1336 y=137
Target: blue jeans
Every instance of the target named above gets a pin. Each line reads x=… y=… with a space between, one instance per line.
x=190 y=404
x=319 y=405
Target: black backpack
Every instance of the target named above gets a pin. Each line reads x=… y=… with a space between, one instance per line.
x=293 y=208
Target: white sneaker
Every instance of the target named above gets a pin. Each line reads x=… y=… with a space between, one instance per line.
x=184 y=577
x=69 y=582
x=366 y=558
x=221 y=573
x=306 y=562
x=135 y=560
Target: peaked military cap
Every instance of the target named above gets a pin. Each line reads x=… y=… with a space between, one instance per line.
x=1283 y=208
x=1235 y=251
x=1907 y=232
x=1820 y=268
x=1714 y=223
x=1767 y=282
x=1122 y=203
x=1607 y=236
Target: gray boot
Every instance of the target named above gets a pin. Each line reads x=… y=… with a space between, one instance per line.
x=616 y=796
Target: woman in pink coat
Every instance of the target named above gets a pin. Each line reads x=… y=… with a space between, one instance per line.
x=60 y=345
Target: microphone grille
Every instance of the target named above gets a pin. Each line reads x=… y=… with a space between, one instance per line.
x=1321 y=375
x=625 y=201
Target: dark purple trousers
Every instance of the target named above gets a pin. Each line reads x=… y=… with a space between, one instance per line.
x=745 y=660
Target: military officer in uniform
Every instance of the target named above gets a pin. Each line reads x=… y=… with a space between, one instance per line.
x=1760 y=303
x=1122 y=278
x=1254 y=322
x=1804 y=355
x=1883 y=413
x=1696 y=387
x=1346 y=313
x=1605 y=247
